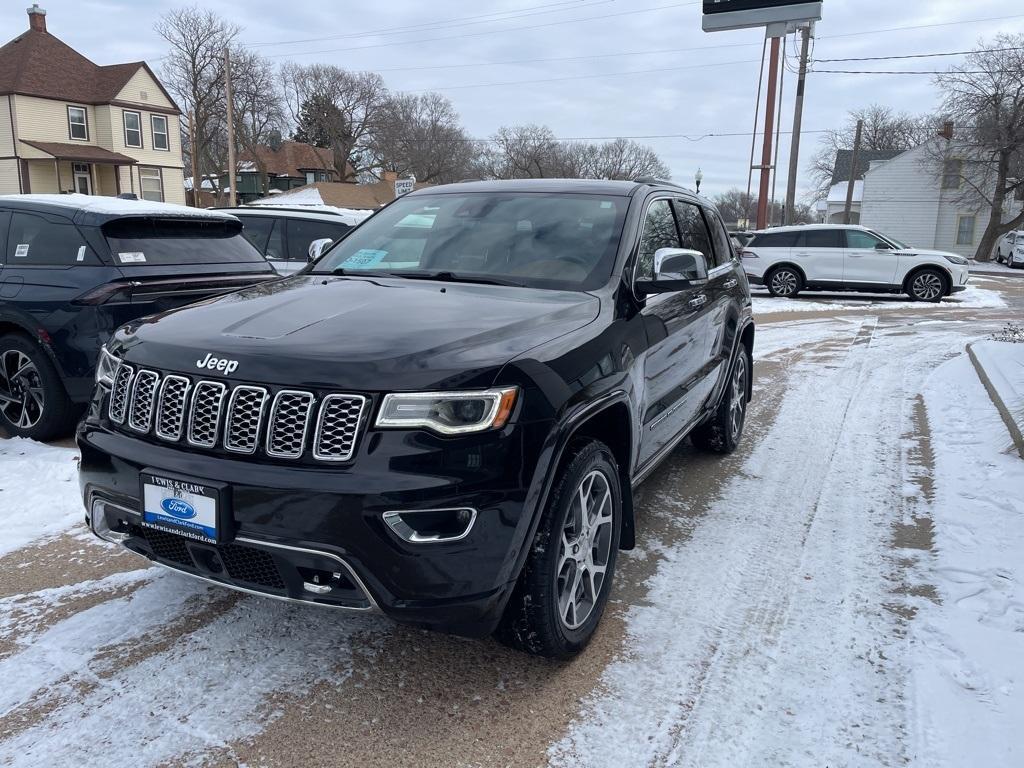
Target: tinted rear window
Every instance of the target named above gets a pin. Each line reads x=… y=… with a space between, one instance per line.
x=822 y=238
x=149 y=241
x=774 y=240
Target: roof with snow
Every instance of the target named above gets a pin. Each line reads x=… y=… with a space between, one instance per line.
x=837 y=192
x=363 y=197
x=292 y=158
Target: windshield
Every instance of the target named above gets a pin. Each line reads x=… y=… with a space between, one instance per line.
x=557 y=241
x=149 y=241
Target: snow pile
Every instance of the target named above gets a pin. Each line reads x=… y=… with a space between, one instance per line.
x=41 y=498
x=307 y=196
x=116 y=206
x=969 y=670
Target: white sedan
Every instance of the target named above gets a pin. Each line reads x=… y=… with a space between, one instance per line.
x=831 y=257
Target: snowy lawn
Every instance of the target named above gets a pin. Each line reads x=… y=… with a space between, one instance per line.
x=975 y=297
x=39 y=495
x=969 y=644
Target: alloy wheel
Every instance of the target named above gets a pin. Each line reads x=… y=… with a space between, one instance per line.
x=21 y=389
x=784 y=282
x=584 y=549
x=738 y=397
x=927 y=286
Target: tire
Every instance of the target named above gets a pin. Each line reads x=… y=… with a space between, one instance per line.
x=722 y=432
x=927 y=285
x=539 y=618
x=784 y=282
x=33 y=402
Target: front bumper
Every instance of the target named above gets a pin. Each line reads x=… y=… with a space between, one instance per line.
x=291 y=521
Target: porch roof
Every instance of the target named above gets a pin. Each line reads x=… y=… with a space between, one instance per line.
x=83 y=153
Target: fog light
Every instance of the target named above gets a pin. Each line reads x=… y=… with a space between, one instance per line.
x=425 y=526
x=100 y=525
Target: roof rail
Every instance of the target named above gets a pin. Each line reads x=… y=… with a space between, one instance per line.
x=659 y=182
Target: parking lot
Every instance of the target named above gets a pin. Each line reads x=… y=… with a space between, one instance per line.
x=813 y=599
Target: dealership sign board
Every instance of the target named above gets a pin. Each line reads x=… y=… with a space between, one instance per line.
x=740 y=14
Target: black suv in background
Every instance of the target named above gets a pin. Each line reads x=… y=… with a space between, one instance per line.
x=75 y=267
x=443 y=418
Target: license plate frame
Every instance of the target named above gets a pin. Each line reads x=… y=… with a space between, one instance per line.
x=195 y=508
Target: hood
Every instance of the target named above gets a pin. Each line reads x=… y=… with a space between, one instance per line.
x=359 y=334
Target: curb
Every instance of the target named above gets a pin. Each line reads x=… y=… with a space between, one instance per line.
x=1004 y=412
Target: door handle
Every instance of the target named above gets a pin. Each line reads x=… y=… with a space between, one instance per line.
x=698 y=301
x=802 y=254
x=731 y=283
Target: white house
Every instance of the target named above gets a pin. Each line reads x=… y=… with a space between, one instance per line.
x=906 y=199
x=832 y=210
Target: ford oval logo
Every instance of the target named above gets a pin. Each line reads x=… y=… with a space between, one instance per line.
x=178 y=508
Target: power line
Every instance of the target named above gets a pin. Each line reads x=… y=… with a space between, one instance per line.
x=490 y=31
x=439 y=24
x=903 y=72
x=919 y=55
x=923 y=26
x=694 y=138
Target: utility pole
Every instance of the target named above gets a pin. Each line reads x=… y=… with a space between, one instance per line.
x=798 y=118
x=769 y=127
x=853 y=174
x=197 y=183
x=231 y=128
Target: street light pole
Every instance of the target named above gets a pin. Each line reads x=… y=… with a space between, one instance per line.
x=698 y=177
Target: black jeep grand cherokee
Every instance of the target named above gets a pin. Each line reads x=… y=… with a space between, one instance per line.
x=443 y=418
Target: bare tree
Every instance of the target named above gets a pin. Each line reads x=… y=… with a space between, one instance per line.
x=344 y=108
x=258 y=107
x=422 y=136
x=738 y=209
x=193 y=71
x=984 y=98
x=884 y=129
x=532 y=151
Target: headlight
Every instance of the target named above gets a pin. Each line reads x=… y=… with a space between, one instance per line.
x=106 y=367
x=449 y=413
x=954 y=259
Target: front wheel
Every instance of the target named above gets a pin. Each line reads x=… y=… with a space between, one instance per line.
x=563 y=589
x=927 y=285
x=784 y=282
x=722 y=431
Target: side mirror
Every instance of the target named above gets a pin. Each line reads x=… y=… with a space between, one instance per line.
x=317 y=247
x=675 y=269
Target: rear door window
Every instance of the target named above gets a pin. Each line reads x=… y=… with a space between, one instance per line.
x=821 y=238
x=302 y=232
x=257 y=229
x=720 y=237
x=774 y=240
x=36 y=241
x=148 y=241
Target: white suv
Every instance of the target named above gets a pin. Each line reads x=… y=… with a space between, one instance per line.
x=832 y=257
x=1011 y=249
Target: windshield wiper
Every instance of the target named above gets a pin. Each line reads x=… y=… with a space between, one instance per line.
x=451 y=277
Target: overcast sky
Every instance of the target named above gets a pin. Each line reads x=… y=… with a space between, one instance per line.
x=707 y=83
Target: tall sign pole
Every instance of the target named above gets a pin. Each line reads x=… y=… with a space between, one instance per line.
x=769 y=127
x=232 y=199
x=798 y=118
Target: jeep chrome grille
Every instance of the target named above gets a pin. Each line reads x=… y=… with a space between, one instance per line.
x=204 y=418
x=244 y=419
x=245 y=412
x=170 y=411
x=337 y=427
x=289 y=421
x=140 y=412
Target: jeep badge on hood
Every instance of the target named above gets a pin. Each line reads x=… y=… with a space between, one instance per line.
x=222 y=364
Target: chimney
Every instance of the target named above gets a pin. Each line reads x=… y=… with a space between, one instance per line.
x=36 y=18
x=947 y=130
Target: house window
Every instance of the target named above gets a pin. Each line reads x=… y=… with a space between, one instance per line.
x=78 y=124
x=133 y=129
x=310 y=177
x=951 y=173
x=965 y=230
x=152 y=184
x=158 y=124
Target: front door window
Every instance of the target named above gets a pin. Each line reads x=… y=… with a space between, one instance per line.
x=83 y=178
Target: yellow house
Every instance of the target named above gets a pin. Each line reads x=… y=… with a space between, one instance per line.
x=68 y=125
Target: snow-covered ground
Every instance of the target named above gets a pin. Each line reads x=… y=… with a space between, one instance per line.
x=843 y=591
x=975 y=297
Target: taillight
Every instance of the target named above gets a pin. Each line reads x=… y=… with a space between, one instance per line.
x=108 y=292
